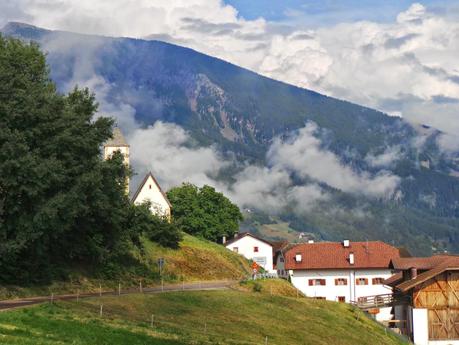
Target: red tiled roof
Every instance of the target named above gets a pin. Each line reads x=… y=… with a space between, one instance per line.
x=451 y=263
x=333 y=255
x=422 y=263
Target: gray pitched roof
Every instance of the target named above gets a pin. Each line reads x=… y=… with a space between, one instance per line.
x=117 y=140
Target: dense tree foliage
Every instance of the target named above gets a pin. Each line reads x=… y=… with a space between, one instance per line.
x=158 y=229
x=204 y=212
x=60 y=202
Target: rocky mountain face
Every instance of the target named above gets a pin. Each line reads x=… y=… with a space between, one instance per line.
x=243 y=113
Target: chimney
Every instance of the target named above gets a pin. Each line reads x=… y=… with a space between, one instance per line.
x=414 y=272
x=310 y=241
x=351 y=258
x=224 y=239
x=346 y=244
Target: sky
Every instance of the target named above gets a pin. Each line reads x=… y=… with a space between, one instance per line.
x=397 y=56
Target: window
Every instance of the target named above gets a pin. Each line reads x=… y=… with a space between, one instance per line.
x=362 y=300
x=361 y=281
x=149 y=186
x=316 y=282
x=377 y=281
x=320 y=298
x=281 y=259
x=236 y=249
x=340 y=281
x=255 y=249
x=341 y=299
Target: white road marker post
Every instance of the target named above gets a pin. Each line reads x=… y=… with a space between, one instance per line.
x=100 y=290
x=152 y=320
x=52 y=298
x=266 y=340
x=119 y=289
x=101 y=312
x=140 y=287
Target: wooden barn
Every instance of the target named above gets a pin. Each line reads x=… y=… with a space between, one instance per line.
x=426 y=291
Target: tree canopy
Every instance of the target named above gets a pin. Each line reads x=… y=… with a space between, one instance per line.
x=204 y=211
x=60 y=202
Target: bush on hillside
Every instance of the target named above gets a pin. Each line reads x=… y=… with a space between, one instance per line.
x=158 y=229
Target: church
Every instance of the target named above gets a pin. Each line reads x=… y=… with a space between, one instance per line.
x=149 y=189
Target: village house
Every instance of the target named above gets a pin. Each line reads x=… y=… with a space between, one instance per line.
x=255 y=249
x=426 y=298
x=149 y=189
x=343 y=272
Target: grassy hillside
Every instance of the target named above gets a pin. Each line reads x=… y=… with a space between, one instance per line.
x=197 y=259
x=203 y=317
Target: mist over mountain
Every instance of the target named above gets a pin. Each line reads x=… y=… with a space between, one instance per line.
x=285 y=154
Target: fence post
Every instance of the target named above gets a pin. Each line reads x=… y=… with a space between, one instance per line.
x=152 y=320
x=100 y=290
x=119 y=289
x=78 y=295
x=101 y=310
x=52 y=298
x=162 y=284
x=205 y=327
x=140 y=287
x=266 y=340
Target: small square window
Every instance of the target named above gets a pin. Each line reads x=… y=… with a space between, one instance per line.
x=340 y=281
x=377 y=281
x=149 y=186
x=361 y=281
x=255 y=249
x=317 y=282
x=341 y=299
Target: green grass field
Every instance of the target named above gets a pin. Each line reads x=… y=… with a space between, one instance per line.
x=239 y=316
x=197 y=259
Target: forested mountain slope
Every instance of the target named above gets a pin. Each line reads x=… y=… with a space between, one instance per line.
x=243 y=113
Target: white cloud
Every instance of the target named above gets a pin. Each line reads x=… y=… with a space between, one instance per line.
x=385 y=159
x=304 y=155
x=164 y=149
x=404 y=67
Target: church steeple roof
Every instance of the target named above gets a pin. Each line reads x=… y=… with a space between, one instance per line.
x=117 y=140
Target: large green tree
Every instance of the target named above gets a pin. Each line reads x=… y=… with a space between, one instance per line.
x=60 y=202
x=204 y=211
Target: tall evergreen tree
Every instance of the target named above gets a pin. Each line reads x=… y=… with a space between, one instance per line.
x=59 y=201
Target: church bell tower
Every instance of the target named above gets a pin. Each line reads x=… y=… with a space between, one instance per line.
x=118 y=143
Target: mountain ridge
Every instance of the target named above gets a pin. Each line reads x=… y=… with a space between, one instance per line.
x=243 y=113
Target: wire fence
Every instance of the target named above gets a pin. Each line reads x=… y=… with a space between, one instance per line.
x=204 y=332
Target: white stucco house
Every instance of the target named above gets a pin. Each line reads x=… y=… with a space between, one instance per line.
x=150 y=190
x=343 y=272
x=254 y=248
